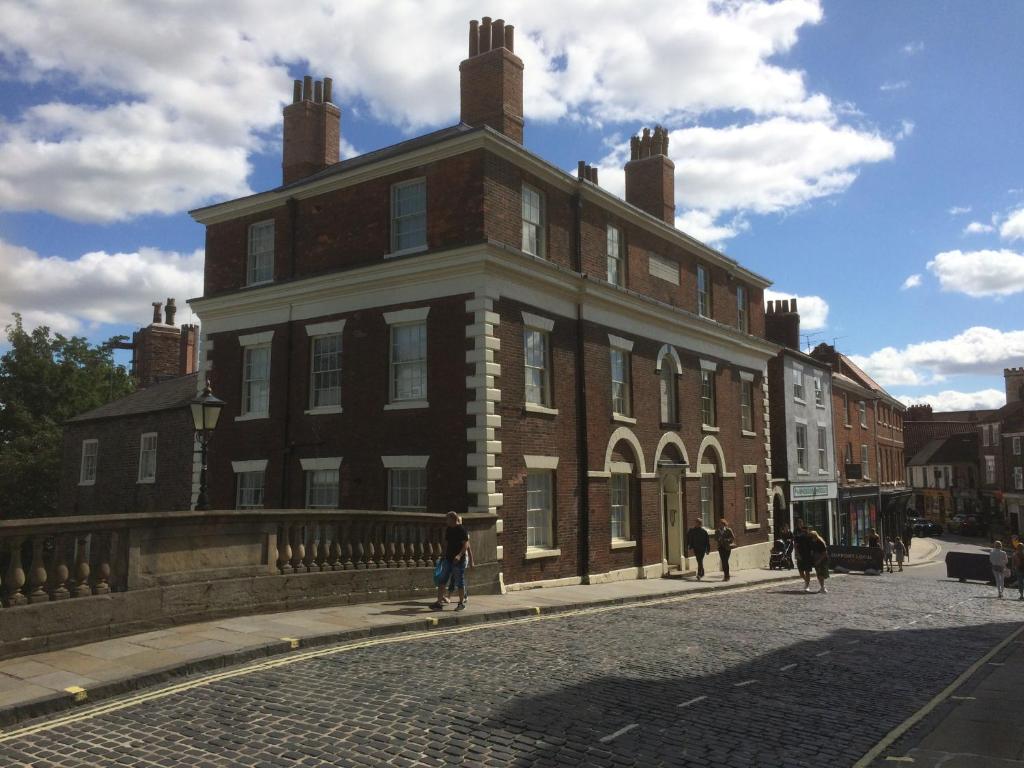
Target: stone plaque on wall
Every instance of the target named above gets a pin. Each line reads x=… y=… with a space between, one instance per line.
x=662 y=268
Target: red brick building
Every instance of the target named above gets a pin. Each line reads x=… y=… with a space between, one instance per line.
x=453 y=323
x=1001 y=460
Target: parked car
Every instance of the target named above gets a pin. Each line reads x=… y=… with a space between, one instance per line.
x=964 y=525
x=922 y=526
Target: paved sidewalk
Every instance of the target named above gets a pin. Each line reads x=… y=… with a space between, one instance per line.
x=43 y=683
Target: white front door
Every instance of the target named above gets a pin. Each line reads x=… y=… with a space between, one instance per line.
x=672 y=518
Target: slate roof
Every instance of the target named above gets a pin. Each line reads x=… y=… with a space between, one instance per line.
x=164 y=396
x=955 y=449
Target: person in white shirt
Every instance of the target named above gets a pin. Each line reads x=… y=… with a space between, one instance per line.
x=999 y=560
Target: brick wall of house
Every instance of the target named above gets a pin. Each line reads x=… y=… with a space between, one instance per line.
x=854 y=434
x=117 y=489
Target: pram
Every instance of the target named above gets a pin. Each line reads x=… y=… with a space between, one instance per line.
x=781 y=556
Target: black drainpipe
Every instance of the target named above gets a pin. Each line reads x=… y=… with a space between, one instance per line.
x=286 y=452
x=582 y=464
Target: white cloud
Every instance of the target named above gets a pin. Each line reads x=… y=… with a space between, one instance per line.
x=813 y=309
x=701 y=225
x=978 y=350
x=977 y=228
x=138 y=127
x=893 y=85
x=913 y=48
x=952 y=400
x=913 y=281
x=957 y=210
x=1013 y=227
x=979 y=273
x=96 y=288
x=905 y=131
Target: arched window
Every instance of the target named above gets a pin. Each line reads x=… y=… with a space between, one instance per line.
x=668 y=394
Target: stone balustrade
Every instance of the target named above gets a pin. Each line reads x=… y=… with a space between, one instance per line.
x=73 y=579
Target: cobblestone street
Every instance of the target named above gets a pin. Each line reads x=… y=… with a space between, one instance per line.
x=765 y=676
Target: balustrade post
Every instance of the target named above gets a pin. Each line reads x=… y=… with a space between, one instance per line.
x=345 y=532
x=102 y=585
x=15 y=576
x=324 y=554
x=37 y=573
x=371 y=546
x=359 y=558
x=284 y=549
x=82 y=570
x=299 y=550
x=382 y=538
x=391 y=537
x=312 y=544
x=334 y=551
x=409 y=537
x=59 y=589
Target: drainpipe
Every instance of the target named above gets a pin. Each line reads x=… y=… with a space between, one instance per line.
x=286 y=452
x=582 y=450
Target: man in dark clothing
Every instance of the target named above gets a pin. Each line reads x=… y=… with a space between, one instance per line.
x=908 y=538
x=456 y=542
x=698 y=540
x=804 y=559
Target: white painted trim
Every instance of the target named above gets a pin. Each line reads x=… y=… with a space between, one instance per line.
x=406 y=405
x=405 y=462
x=708 y=365
x=329 y=328
x=710 y=441
x=709 y=428
x=746 y=376
x=541 y=462
x=311 y=465
x=252 y=465
x=622 y=544
x=254 y=339
x=750 y=469
x=667 y=350
x=751 y=526
x=535 y=408
x=323 y=410
x=253 y=416
x=746 y=433
x=81 y=462
x=405 y=252
x=670 y=438
x=623 y=433
x=620 y=468
x=620 y=343
x=522 y=586
x=538 y=554
x=414 y=315
x=623 y=419
x=537 y=322
x=596 y=474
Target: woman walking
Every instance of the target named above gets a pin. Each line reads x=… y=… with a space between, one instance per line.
x=726 y=540
x=1018 y=568
x=819 y=553
x=999 y=560
x=802 y=545
x=900 y=550
x=887 y=555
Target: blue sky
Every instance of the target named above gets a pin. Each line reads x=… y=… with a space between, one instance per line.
x=866 y=156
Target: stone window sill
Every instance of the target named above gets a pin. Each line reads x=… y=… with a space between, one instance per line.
x=252 y=416
x=86 y=482
x=709 y=428
x=752 y=526
x=405 y=251
x=537 y=554
x=542 y=409
x=323 y=411
x=802 y=472
x=622 y=544
x=406 y=405
x=146 y=481
x=748 y=433
x=621 y=417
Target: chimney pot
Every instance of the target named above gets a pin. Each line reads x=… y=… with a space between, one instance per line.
x=593 y=175
x=312 y=130
x=328 y=88
x=156 y=312
x=792 y=305
x=297 y=91
x=510 y=38
x=498 y=34
x=318 y=92
x=307 y=88
x=491 y=86
x=474 y=38
x=581 y=170
x=170 y=310
x=485 y=34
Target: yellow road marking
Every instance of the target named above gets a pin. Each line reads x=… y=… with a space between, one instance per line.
x=294 y=642
x=78 y=692
x=294 y=658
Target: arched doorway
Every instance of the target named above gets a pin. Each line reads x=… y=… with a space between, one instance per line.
x=671 y=465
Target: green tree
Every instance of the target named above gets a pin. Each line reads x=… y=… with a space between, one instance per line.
x=46 y=379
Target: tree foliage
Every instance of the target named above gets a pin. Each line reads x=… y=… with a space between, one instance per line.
x=45 y=379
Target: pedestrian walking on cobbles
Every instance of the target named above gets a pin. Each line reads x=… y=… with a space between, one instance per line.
x=456 y=544
x=819 y=553
x=887 y=555
x=900 y=551
x=999 y=562
x=451 y=579
x=802 y=545
x=1018 y=568
x=698 y=540
x=908 y=538
x=726 y=540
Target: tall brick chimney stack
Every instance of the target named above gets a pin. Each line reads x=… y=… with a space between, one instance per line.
x=312 y=130
x=650 y=175
x=491 y=79
x=161 y=351
x=782 y=323
x=1014 y=378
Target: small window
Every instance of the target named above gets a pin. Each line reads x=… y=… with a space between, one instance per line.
x=533 y=221
x=250 y=489
x=703 y=292
x=846 y=409
x=326 y=371
x=742 y=321
x=409 y=362
x=995 y=434
x=409 y=216
x=990 y=470
x=848 y=454
x=707 y=500
x=822 y=448
x=539 y=510
x=798 y=385
x=749 y=486
x=1016 y=446
x=801 y=446
x=256 y=381
x=620 y=507
x=407 y=490
x=616 y=270
x=819 y=393
x=747 y=406
x=620 y=381
x=147 y=458
x=322 y=489
x=1018 y=478
x=864 y=461
x=862 y=408
x=707 y=398
x=667 y=392
x=984 y=435
x=535 y=348
x=90 y=454
x=260 y=264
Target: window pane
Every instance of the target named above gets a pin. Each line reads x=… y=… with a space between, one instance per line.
x=620 y=381
x=707 y=500
x=407 y=489
x=326 y=371
x=620 y=506
x=539 y=510
x=533 y=241
x=261 y=253
x=746 y=406
x=822 y=448
x=535 y=362
x=748 y=498
x=801 y=446
x=250 y=489
x=256 y=381
x=409 y=362
x=409 y=216
x=616 y=273
x=741 y=308
x=703 y=293
x=147 y=458
x=322 y=488
x=668 y=392
x=707 y=398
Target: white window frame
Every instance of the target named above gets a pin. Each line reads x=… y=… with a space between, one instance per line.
x=800 y=440
x=819 y=393
x=540 y=529
x=315 y=483
x=749 y=495
x=408 y=474
x=995 y=434
x=1016 y=446
x=742 y=309
x=708 y=404
x=846 y=410
x=668 y=396
x=616 y=264
x=864 y=461
x=147 y=458
x=90 y=462
x=620 y=519
x=862 y=412
x=250 y=394
x=625 y=386
x=256 y=271
x=529 y=224
x=706 y=500
x=703 y=291
x=396 y=366
x=822 y=448
x=408 y=218
x=314 y=390
x=990 y=470
x=540 y=381
x=247 y=471
x=798 y=385
x=746 y=405
x=1018 y=478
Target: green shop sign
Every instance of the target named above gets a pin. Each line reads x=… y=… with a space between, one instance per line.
x=809 y=491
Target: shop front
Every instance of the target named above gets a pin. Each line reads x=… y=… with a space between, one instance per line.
x=858 y=514
x=815 y=504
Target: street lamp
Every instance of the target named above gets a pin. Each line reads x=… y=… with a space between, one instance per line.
x=205 y=412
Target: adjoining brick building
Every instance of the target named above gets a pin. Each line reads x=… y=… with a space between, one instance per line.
x=921 y=425
x=944 y=477
x=453 y=323
x=868 y=425
x=1001 y=435
x=136 y=454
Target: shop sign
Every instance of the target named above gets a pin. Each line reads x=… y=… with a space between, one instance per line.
x=855 y=558
x=809 y=491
